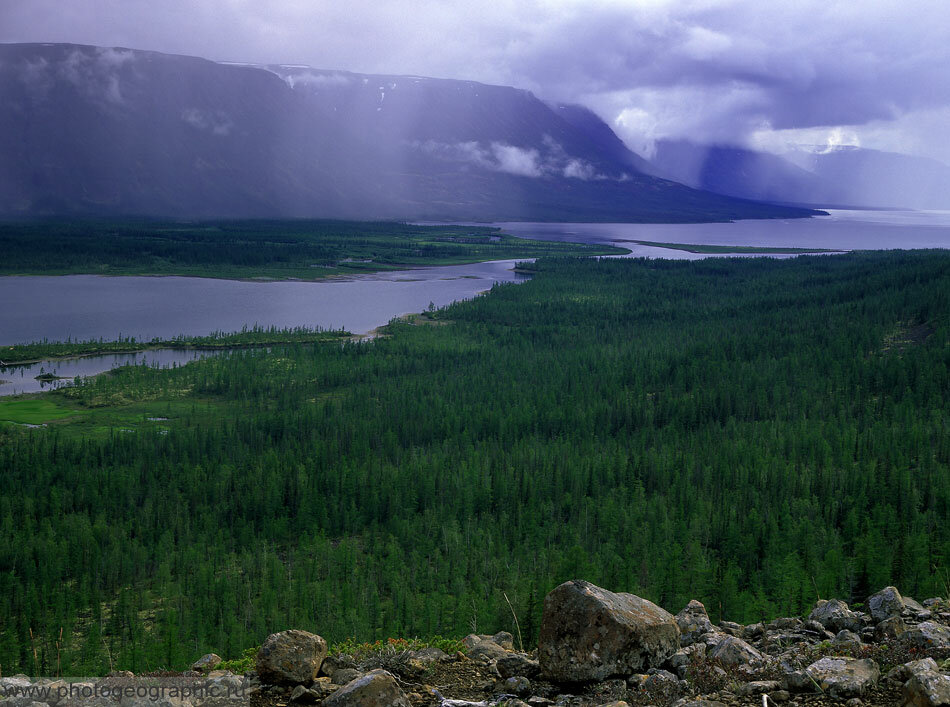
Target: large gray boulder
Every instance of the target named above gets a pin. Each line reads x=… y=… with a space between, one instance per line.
x=838 y=677
x=885 y=604
x=291 y=658
x=377 y=688
x=927 y=688
x=693 y=622
x=589 y=633
x=835 y=616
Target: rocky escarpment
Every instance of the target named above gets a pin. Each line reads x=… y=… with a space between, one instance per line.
x=607 y=649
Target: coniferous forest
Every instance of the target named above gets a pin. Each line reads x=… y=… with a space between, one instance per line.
x=753 y=433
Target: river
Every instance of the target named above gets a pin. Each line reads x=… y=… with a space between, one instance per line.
x=90 y=306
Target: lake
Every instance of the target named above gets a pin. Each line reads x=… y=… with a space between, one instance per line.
x=840 y=230
x=90 y=306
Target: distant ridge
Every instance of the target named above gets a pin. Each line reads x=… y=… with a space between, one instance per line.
x=118 y=132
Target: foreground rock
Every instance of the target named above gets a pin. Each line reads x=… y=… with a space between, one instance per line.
x=589 y=633
x=927 y=688
x=839 y=677
x=375 y=689
x=291 y=658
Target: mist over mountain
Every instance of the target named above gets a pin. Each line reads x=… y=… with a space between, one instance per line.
x=97 y=131
x=842 y=176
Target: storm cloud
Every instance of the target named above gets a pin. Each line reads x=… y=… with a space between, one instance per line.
x=747 y=71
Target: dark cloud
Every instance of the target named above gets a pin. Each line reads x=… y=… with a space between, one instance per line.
x=725 y=69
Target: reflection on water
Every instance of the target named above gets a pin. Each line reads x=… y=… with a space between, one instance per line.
x=22 y=379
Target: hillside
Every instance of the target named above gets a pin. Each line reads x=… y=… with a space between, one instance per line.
x=118 y=132
x=750 y=433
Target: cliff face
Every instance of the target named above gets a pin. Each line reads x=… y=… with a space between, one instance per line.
x=90 y=130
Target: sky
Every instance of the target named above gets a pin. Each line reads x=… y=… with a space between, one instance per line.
x=765 y=73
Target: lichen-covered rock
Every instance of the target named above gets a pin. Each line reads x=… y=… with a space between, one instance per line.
x=684 y=656
x=846 y=639
x=926 y=635
x=734 y=651
x=304 y=696
x=291 y=658
x=885 y=604
x=693 y=622
x=206 y=663
x=429 y=655
x=589 y=633
x=889 y=629
x=342 y=676
x=927 y=688
x=377 y=688
x=517 y=664
x=840 y=677
x=903 y=673
x=664 y=683
x=517 y=685
x=835 y=616
x=759 y=687
x=487 y=649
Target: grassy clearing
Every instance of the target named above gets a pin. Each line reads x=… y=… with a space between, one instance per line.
x=33 y=411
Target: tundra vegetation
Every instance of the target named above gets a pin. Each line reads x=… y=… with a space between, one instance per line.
x=303 y=250
x=753 y=433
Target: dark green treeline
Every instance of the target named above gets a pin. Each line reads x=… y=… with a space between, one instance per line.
x=749 y=432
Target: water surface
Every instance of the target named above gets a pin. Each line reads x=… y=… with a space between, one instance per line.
x=15 y=380
x=840 y=230
x=91 y=306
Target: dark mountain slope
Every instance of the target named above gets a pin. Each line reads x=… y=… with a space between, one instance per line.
x=89 y=130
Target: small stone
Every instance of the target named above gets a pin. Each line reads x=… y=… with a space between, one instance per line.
x=693 y=622
x=518 y=685
x=517 y=664
x=889 y=629
x=301 y=695
x=377 y=688
x=344 y=675
x=758 y=687
x=206 y=662
x=735 y=651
